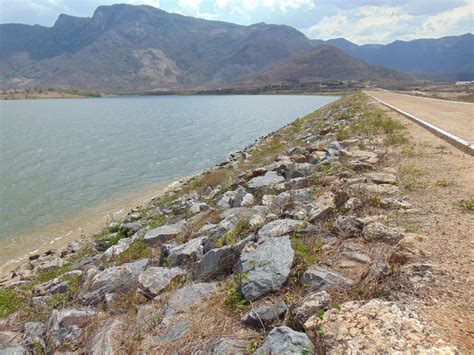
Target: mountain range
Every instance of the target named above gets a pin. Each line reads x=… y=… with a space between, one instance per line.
x=126 y=48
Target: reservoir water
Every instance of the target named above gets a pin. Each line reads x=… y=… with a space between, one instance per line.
x=60 y=157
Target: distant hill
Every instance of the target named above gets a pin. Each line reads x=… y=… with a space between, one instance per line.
x=325 y=63
x=129 y=48
x=451 y=55
x=125 y=48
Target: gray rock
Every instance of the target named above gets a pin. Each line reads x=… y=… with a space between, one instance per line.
x=311 y=304
x=165 y=233
x=16 y=350
x=348 y=226
x=34 y=329
x=220 y=260
x=265 y=315
x=283 y=227
x=284 y=340
x=267 y=180
x=66 y=325
x=266 y=264
x=318 y=278
x=378 y=231
x=106 y=340
x=173 y=332
x=255 y=216
x=322 y=208
x=156 y=279
x=184 y=298
x=117 y=249
x=148 y=315
x=114 y=279
x=51 y=287
x=226 y=346
x=9 y=339
x=189 y=253
x=302 y=170
x=382 y=178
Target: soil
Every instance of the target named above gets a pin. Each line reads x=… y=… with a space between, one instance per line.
x=456 y=118
x=446 y=175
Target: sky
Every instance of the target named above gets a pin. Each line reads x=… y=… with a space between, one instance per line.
x=360 y=21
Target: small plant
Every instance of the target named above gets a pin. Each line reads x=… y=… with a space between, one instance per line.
x=466 y=204
x=444 y=183
x=167 y=261
x=233 y=298
x=10 y=301
x=136 y=250
x=44 y=276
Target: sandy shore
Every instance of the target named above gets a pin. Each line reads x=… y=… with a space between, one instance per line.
x=81 y=225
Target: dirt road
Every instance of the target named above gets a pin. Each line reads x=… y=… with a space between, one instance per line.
x=452 y=117
x=444 y=175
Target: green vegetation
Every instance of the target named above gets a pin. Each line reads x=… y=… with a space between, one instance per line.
x=136 y=250
x=48 y=275
x=232 y=296
x=230 y=238
x=466 y=204
x=10 y=301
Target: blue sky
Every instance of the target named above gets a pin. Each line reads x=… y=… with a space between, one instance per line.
x=361 y=21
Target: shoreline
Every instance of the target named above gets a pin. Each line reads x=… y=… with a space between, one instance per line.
x=79 y=226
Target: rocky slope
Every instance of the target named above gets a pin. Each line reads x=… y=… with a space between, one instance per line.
x=326 y=63
x=290 y=246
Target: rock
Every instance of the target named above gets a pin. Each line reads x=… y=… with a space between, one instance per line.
x=302 y=170
x=409 y=247
x=362 y=156
x=284 y=226
x=16 y=350
x=322 y=208
x=315 y=147
x=355 y=256
x=348 y=226
x=48 y=263
x=189 y=253
x=66 y=325
x=220 y=260
x=265 y=315
x=226 y=346
x=382 y=178
x=311 y=304
x=392 y=203
x=117 y=249
x=374 y=327
x=247 y=200
x=34 y=329
x=116 y=278
x=106 y=340
x=376 y=189
x=298 y=158
x=165 y=233
x=255 y=216
x=258 y=172
x=184 y=298
x=9 y=340
x=133 y=227
x=284 y=340
x=318 y=278
x=267 y=180
x=266 y=264
x=51 y=287
x=173 y=332
x=148 y=315
x=379 y=232
x=156 y=279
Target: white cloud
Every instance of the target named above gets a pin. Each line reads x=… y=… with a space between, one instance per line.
x=384 y=24
x=190 y=5
x=242 y=6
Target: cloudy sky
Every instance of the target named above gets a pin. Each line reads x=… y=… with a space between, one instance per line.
x=361 y=21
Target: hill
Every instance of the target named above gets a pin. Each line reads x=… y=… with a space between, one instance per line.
x=124 y=47
x=325 y=63
x=451 y=56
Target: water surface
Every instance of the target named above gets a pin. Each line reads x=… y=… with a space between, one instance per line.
x=59 y=157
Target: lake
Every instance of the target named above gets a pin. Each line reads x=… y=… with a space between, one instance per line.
x=61 y=157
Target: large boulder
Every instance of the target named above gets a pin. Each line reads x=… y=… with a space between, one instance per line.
x=269 y=179
x=187 y=254
x=184 y=298
x=311 y=304
x=318 y=278
x=65 y=325
x=322 y=208
x=114 y=279
x=266 y=266
x=255 y=216
x=284 y=340
x=284 y=227
x=265 y=315
x=156 y=279
x=220 y=261
x=375 y=327
x=165 y=233
x=106 y=340
x=379 y=232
